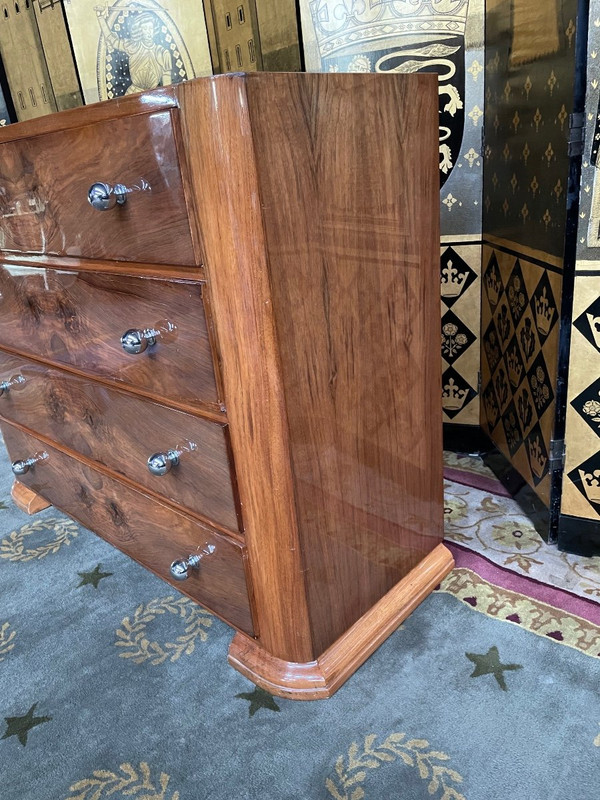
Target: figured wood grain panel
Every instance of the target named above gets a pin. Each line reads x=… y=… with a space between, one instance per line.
x=121 y=431
x=221 y=160
x=149 y=531
x=348 y=185
x=44 y=183
x=129 y=106
x=77 y=319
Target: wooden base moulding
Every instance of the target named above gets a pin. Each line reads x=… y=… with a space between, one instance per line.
x=317 y=680
x=28 y=501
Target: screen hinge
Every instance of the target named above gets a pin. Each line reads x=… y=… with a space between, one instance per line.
x=557 y=455
x=576 y=133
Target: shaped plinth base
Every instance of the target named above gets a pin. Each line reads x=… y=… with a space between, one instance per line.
x=27 y=500
x=316 y=680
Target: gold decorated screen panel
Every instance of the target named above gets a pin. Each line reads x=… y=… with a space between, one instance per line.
x=520 y=330
x=581 y=478
x=24 y=63
x=460 y=280
x=127 y=46
x=530 y=69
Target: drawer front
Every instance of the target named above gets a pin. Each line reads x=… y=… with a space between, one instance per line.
x=121 y=431
x=77 y=319
x=44 y=184
x=147 y=530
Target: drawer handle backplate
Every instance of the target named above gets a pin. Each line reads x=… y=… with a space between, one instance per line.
x=102 y=196
x=6 y=385
x=180 y=569
x=23 y=465
x=136 y=340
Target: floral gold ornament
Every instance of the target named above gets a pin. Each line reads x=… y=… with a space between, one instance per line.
x=7 y=640
x=13 y=546
x=130 y=781
x=132 y=636
x=352 y=770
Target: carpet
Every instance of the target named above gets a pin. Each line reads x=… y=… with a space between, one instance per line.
x=482 y=517
x=115 y=686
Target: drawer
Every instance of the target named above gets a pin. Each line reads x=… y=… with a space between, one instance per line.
x=77 y=319
x=44 y=184
x=121 y=431
x=149 y=531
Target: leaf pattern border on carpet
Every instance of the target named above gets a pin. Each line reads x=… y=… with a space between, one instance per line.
x=132 y=634
x=351 y=771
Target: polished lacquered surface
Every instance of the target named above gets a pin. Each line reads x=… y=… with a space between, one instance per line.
x=121 y=431
x=44 y=184
x=77 y=319
x=331 y=329
x=355 y=292
x=152 y=532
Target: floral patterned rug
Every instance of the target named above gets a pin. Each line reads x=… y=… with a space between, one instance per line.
x=482 y=518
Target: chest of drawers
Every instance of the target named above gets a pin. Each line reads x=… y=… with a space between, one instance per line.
x=219 y=350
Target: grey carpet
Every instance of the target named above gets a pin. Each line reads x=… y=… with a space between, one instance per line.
x=412 y=723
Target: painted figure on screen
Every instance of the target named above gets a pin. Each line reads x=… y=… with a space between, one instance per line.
x=139 y=49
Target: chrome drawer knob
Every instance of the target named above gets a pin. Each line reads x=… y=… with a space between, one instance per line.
x=180 y=569
x=161 y=463
x=23 y=465
x=135 y=341
x=6 y=385
x=103 y=196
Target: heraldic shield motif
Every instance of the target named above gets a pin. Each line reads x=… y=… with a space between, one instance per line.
x=401 y=36
x=140 y=48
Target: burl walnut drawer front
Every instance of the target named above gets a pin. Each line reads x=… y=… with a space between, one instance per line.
x=149 y=531
x=122 y=432
x=78 y=318
x=45 y=180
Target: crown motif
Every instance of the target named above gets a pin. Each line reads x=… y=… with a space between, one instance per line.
x=537 y=459
x=493 y=287
x=453 y=397
x=591 y=484
x=515 y=368
x=452 y=280
x=343 y=24
x=544 y=314
x=594 y=323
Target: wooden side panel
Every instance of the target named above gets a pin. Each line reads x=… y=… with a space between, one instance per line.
x=218 y=138
x=347 y=171
x=147 y=530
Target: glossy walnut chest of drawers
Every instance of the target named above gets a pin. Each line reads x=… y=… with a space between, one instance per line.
x=226 y=365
